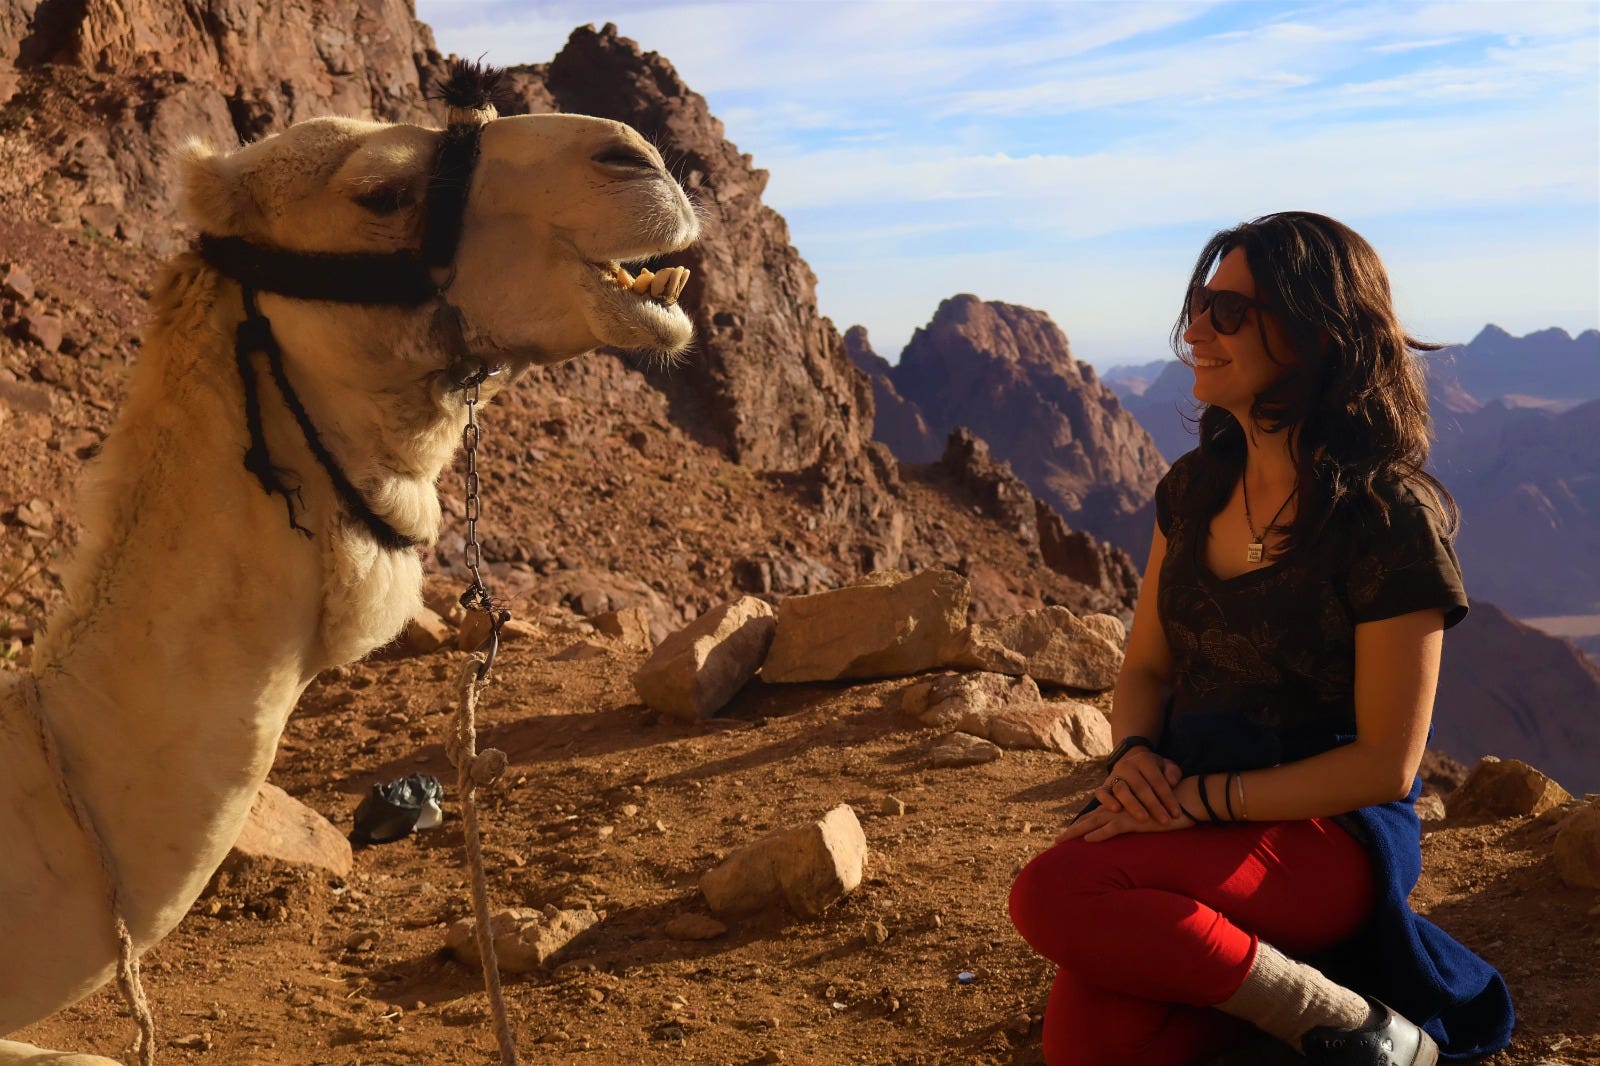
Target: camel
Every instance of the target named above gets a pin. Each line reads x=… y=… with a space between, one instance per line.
x=196 y=612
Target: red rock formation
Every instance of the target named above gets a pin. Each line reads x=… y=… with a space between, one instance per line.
x=123 y=84
x=1007 y=373
x=896 y=421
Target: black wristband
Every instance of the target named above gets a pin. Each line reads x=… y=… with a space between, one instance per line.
x=1227 y=795
x=1184 y=810
x=1206 y=800
x=1127 y=745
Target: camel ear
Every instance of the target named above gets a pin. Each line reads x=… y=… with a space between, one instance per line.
x=386 y=176
x=216 y=198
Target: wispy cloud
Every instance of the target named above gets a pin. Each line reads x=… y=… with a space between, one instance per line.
x=1075 y=154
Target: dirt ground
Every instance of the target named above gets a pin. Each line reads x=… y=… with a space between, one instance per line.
x=283 y=967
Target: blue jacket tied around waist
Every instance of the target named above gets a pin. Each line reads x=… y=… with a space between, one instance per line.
x=1400 y=957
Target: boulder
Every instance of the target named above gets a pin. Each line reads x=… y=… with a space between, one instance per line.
x=698 y=669
x=1503 y=788
x=945 y=700
x=962 y=749
x=282 y=829
x=1050 y=645
x=1076 y=730
x=1577 y=847
x=524 y=939
x=804 y=869
x=890 y=625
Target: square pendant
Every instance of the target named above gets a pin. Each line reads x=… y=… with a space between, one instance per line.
x=1252 y=553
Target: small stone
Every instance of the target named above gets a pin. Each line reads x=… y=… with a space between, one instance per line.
x=605 y=831
x=191 y=1042
x=35 y=514
x=630 y=810
x=15 y=283
x=962 y=749
x=892 y=805
x=45 y=330
x=805 y=869
x=1577 y=848
x=694 y=927
x=698 y=669
x=425 y=632
x=630 y=626
x=1019 y=1024
x=595 y=996
x=875 y=932
x=524 y=939
x=1430 y=808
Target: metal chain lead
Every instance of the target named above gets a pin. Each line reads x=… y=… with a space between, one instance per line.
x=477 y=597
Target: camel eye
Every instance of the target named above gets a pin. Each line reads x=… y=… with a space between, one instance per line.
x=625 y=158
x=386 y=199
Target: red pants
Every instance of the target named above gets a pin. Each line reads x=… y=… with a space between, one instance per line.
x=1150 y=929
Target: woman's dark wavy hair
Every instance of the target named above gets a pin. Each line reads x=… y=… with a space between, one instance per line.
x=1352 y=399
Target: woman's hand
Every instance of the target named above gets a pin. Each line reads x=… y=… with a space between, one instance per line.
x=1102 y=824
x=1141 y=786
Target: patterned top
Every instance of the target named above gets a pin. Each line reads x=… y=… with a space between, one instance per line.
x=1278 y=643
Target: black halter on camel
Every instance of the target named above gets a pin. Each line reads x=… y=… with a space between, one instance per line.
x=403 y=279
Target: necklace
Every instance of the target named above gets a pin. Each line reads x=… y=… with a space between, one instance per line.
x=1254 y=550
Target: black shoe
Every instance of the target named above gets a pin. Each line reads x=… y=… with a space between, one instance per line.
x=1388 y=1040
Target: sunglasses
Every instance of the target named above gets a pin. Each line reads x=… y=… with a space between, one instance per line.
x=1228 y=308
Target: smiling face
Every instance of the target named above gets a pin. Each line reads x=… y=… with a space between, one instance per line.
x=1231 y=370
x=557 y=204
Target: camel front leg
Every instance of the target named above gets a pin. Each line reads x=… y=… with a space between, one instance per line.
x=14 y=1054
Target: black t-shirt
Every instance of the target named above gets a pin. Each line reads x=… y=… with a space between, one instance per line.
x=1278 y=644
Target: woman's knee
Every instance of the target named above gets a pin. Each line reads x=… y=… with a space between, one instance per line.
x=1040 y=894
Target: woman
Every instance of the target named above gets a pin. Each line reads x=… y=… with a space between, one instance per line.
x=1247 y=861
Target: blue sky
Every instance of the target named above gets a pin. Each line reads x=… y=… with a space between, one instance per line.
x=1074 y=156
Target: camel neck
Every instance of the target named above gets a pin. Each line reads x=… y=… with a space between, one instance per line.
x=195 y=615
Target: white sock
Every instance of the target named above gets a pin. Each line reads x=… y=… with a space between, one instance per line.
x=1288 y=999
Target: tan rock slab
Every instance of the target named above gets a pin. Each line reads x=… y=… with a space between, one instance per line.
x=891 y=625
x=803 y=869
x=524 y=939
x=1577 y=847
x=1051 y=645
x=962 y=749
x=698 y=669
x=282 y=829
x=1504 y=788
x=1076 y=730
x=945 y=700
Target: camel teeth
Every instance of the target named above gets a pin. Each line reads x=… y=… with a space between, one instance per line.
x=641 y=284
x=678 y=282
x=662 y=281
x=623 y=278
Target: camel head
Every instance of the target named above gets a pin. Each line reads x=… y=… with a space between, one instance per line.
x=555 y=206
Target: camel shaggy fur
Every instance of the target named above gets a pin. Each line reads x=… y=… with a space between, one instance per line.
x=194 y=615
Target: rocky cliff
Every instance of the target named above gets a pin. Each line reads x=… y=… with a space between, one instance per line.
x=105 y=90
x=1007 y=372
x=897 y=421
